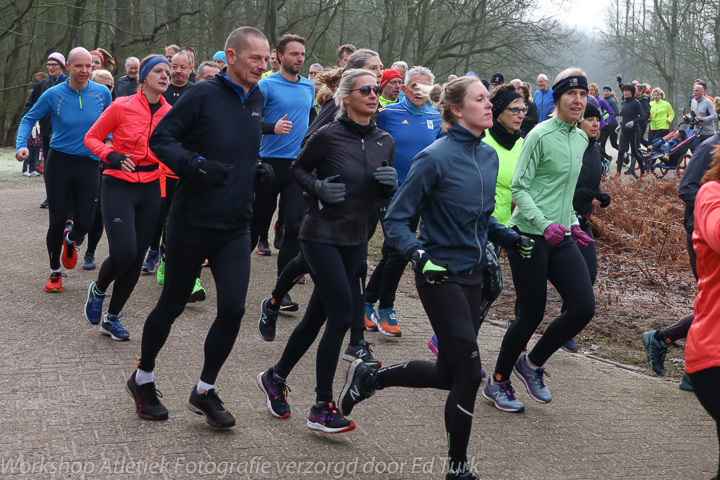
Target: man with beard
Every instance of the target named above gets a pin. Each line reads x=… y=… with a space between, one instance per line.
x=181 y=68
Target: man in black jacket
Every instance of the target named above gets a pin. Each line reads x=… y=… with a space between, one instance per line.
x=127 y=84
x=211 y=140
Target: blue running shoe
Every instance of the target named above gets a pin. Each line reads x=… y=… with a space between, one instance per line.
x=533 y=378
x=327 y=419
x=570 y=346
x=275 y=392
x=385 y=320
x=502 y=394
x=93 y=304
x=686 y=383
x=112 y=328
x=656 y=352
x=268 y=321
x=370 y=317
x=151 y=262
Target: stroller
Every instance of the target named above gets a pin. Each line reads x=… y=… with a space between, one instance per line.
x=679 y=156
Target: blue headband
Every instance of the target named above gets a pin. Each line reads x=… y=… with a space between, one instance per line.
x=150 y=64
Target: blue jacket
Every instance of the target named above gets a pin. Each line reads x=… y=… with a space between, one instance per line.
x=545 y=103
x=451 y=184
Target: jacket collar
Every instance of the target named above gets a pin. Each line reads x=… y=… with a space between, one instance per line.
x=237 y=88
x=461 y=134
x=562 y=125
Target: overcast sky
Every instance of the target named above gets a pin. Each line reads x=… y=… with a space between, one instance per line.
x=585 y=15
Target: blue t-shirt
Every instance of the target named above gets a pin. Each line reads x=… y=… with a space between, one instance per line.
x=412 y=130
x=73 y=113
x=285 y=97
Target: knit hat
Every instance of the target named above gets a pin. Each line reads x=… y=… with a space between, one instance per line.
x=497 y=78
x=608 y=88
x=389 y=74
x=220 y=55
x=592 y=111
x=58 y=58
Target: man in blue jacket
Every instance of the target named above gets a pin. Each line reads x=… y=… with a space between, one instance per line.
x=543 y=98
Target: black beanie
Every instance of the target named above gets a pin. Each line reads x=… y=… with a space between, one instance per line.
x=592 y=111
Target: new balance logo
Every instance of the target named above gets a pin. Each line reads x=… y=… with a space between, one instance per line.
x=354 y=393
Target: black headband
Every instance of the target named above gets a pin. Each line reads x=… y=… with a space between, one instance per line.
x=501 y=101
x=569 y=83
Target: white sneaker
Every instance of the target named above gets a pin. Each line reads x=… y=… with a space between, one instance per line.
x=34 y=174
x=26 y=174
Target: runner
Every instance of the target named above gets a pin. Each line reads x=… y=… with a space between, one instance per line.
x=72 y=173
x=211 y=139
x=451 y=184
x=632 y=114
x=130 y=191
x=346 y=166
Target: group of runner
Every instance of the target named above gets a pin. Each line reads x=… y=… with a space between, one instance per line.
x=236 y=142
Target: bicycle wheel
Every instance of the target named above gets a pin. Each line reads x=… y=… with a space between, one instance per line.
x=682 y=165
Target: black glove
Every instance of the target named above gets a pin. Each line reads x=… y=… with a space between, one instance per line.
x=524 y=246
x=435 y=271
x=214 y=173
x=584 y=195
x=115 y=159
x=619 y=79
x=604 y=199
x=328 y=191
x=264 y=174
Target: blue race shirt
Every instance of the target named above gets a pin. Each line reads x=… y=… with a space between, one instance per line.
x=73 y=113
x=412 y=129
x=285 y=97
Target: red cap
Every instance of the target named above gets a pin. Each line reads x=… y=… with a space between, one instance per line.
x=389 y=74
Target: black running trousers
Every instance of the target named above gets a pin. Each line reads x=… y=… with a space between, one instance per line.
x=131 y=210
x=454 y=313
x=165 y=202
x=628 y=142
x=564 y=266
x=339 y=292
x=229 y=255
x=706 y=385
x=69 y=178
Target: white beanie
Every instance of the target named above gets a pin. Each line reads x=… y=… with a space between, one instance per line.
x=58 y=57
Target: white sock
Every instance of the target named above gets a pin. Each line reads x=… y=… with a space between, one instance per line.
x=142 y=377
x=203 y=387
x=53 y=270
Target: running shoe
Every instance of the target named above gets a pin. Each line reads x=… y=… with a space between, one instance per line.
x=161 y=272
x=275 y=393
x=112 y=328
x=54 y=285
x=210 y=405
x=386 y=322
x=363 y=352
x=534 y=380
x=94 y=304
x=199 y=294
x=287 y=305
x=89 y=261
x=151 y=262
x=369 y=316
x=44 y=204
x=502 y=395
x=359 y=385
x=279 y=235
x=268 y=321
x=433 y=346
x=263 y=248
x=34 y=174
x=629 y=172
x=26 y=174
x=147 y=403
x=461 y=475
x=570 y=346
x=656 y=352
x=301 y=280
x=327 y=419
x=69 y=254
x=686 y=383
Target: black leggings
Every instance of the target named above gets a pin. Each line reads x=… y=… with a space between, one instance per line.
x=70 y=178
x=96 y=231
x=589 y=254
x=229 y=255
x=629 y=142
x=131 y=210
x=170 y=187
x=706 y=385
x=454 y=313
x=292 y=204
x=609 y=132
x=337 y=287
x=564 y=266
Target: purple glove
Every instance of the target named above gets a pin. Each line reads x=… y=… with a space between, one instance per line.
x=555 y=233
x=581 y=238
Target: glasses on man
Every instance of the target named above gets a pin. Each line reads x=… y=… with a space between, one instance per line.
x=516 y=110
x=312 y=74
x=366 y=89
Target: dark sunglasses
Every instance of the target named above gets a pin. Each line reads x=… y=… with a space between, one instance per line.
x=366 y=89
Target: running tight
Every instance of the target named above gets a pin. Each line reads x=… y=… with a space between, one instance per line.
x=229 y=255
x=454 y=313
x=564 y=266
x=170 y=187
x=706 y=385
x=334 y=272
x=70 y=178
x=131 y=210
x=96 y=231
x=628 y=141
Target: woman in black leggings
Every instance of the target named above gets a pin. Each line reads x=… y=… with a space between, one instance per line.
x=130 y=191
x=451 y=184
x=353 y=163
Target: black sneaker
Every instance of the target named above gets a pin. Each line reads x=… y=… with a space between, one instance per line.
x=275 y=394
x=44 y=204
x=263 y=248
x=327 y=419
x=462 y=475
x=358 y=386
x=287 y=305
x=147 y=403
x=89 y=261
x=210 y=405
x=268 y=321
x=279 y=235
x=363 y=352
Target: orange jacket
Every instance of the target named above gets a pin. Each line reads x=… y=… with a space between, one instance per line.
x=129 y=121
x=702 y=347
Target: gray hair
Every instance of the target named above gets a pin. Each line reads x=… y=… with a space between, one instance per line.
x=209 y=63
x=543 y=76
x=418 y=70
x=317 y=65
x=401 y=63
x=347 y=83
x=127 y=60
x=357 y=60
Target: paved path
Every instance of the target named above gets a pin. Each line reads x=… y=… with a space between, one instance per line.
x=65 y=408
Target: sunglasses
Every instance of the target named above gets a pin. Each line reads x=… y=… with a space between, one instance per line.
x=516 y=110
x=366 y=89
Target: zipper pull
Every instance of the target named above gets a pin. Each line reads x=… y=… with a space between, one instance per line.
x=362 y=142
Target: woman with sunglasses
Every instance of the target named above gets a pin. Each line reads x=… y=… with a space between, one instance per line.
x=345 y=167
x=130 y=190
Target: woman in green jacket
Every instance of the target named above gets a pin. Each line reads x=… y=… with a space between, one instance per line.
x=661 y=115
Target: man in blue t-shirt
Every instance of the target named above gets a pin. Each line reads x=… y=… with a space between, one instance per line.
x=543 y=98
x=289 y=102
